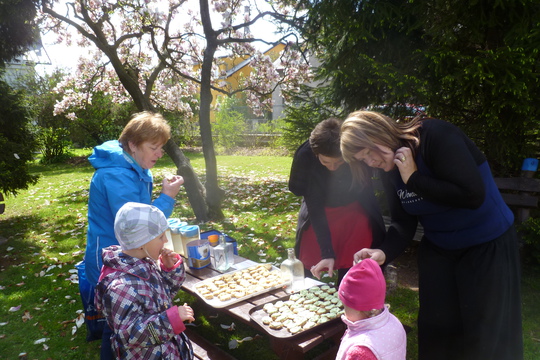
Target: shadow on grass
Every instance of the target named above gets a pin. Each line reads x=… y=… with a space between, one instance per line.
x=37 y=239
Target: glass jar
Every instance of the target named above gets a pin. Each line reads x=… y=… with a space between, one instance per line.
x=292 y=270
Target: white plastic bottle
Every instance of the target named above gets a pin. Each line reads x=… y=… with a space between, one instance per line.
x=223 y=254
x=293 y=270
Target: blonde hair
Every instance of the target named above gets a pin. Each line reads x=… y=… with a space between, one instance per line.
x=367 y=129
x=143 y=127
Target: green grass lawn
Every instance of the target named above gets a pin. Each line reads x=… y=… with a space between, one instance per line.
x=42 y=237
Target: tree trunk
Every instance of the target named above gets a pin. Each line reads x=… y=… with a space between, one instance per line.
x=214 y=194
x=206 y=205
x=194 y=189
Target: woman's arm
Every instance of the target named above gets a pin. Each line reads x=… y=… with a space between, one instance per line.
x=304 y=182
x=453 y=159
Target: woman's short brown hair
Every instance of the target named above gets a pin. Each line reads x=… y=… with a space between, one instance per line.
x=324 y=139
x=143 y=127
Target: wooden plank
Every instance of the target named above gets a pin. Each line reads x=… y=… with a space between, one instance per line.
x=204 y=349
x=518 y=184
x=521 y=200
x=241 y=311
x=289 y=348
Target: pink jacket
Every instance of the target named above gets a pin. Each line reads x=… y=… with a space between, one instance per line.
x=383 y=334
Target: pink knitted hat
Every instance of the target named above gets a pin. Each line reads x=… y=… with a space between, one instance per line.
x=363 y=288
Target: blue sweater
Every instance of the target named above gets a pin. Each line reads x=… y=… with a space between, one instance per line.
x=118 y=179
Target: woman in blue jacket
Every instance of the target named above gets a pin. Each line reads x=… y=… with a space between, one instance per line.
x=123 y=175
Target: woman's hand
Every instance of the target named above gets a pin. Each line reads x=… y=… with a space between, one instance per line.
x=323 y=265
x=171 y=185
x=403 y=158
x=186 y=313
x=378 y=255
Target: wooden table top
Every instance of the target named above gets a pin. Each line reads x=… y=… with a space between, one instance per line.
x=241 y=310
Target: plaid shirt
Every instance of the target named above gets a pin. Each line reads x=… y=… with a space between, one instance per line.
x=136 y=299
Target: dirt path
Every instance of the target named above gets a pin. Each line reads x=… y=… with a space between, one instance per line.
x=407 y=269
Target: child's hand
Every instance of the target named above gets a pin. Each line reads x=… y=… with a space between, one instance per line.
x=168 y=258
x=186 y=313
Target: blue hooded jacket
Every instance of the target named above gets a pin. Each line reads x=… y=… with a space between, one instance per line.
x=117 y=180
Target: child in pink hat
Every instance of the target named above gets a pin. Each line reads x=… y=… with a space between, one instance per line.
x=373 y=333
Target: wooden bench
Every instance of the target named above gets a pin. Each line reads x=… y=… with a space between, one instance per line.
x=520 y=194
x=204 y=349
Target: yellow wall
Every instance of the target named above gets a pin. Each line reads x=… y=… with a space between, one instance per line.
x=228 y=63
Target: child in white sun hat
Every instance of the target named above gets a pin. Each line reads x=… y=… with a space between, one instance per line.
x=138 y=282
x=373 y=333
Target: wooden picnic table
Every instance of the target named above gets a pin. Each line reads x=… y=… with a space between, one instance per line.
x=285 y=348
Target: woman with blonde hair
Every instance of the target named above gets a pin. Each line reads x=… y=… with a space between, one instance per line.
x=468 y=260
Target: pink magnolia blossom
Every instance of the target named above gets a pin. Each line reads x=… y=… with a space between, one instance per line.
x=161 y=45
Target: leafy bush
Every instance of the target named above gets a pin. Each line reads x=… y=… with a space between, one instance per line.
x=230 y=125
x=17 y=143
x=530 y=235
x=55 y=145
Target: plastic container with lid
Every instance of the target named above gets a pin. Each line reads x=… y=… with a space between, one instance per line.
x=189 y=233
x=198 y=254
x=176 y=237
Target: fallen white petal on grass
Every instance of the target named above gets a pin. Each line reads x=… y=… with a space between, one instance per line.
x=4 y=323
x=40 y=341
x=233 y=344
x=79 y=320
x=228 y=327
x=51 y=267
x=15 y=308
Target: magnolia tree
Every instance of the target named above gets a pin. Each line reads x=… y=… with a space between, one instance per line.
x=162 y=56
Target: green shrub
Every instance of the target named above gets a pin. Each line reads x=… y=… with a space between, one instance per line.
x=17 y=142
x=530 y=235
x=55 y=145
x=230 y=125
